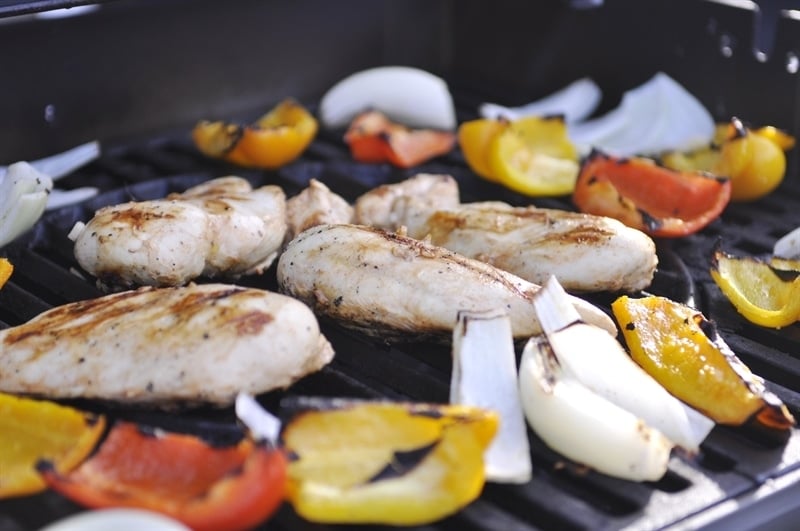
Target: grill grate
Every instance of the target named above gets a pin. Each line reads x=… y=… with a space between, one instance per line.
x=560 y=495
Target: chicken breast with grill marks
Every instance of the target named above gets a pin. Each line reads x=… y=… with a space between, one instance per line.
x=164 y=346
x=394 y=287
x=586 y=253
x=219 y=229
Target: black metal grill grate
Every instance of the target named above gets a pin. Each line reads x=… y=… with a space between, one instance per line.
x=560 y=496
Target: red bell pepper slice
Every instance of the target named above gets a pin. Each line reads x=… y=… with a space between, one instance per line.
x=182 y=476
x=373 y=138
x=649 y=197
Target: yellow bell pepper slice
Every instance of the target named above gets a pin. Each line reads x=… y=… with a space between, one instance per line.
x=753 y=159
x=534 y=156
x=6 y=268
x=33 y=430
x=682 y=350
x=474 y=139
x=274 y=140
x=386 y=463
x=764 y=295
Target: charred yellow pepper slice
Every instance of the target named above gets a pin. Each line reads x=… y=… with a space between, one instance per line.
x=32 y=430
x=753 y=159
x=274 y=140
x=6 y=268
x=531 y=155
x=682 y=350
x=386 y=463
x=764 y=294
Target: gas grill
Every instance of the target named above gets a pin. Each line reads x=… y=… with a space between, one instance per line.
x=137 y=74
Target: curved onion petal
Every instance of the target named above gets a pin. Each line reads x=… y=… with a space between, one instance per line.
x=408 y=95
x=575 y=102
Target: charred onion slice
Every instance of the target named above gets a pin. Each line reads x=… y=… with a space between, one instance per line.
x=654 y=199
x=179 y=475
x=684 y=352
x=385 y=463
x=31 y=430
x=373 y=138
x=274 y=140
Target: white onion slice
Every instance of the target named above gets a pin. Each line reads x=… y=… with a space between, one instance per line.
x=599 y=362
x=118 y=519
x=263 y=425
x=788 y=246
x=61 y=164
x=584 y=426
x=407 y=95
x=659 y=115
x=59 y=198
x=23 y=198
x=576 y=102
x=485 y=375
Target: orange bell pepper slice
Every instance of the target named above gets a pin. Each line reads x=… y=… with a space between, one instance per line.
x=205 y=487
x=373 y=138
x=654 y=199
x=274 y=140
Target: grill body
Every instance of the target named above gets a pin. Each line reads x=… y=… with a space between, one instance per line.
x=138 y=74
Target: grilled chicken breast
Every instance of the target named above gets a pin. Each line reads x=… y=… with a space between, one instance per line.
x=397 y=287
x=586 y=253
x=161 y=346
x=316 y=205
x=221 y=228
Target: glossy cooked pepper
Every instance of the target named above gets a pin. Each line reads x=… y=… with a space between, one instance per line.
x=205 y=487
x=762 y=293
x=683 y=351
x=373 y=138
x=659 y=201
x=6 y=268
x=532 y=155
x=31 y=430
x=274 y=140
x=753 y=159
x=386 y=463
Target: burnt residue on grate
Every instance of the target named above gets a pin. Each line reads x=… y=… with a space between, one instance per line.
x=560 y=495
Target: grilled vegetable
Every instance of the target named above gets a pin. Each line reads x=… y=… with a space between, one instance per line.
x=31 y=430
x=753 y=159
x=272 y=141
x=385 y=463
x=219 y=228
x=654 y=199
x=23 y=199
x=122 y=519
x=485 y=375
x=162 y=347
x=532 y=155
x=686 y=354
x=575 y=102
x=658 y=115
x=373 y=138
x=761 y=293
x=6 y=268
x=582 y=425
x=408 y=95
x=395 y=287
x=599 y=362
x=788 y=246
x=205 y=487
